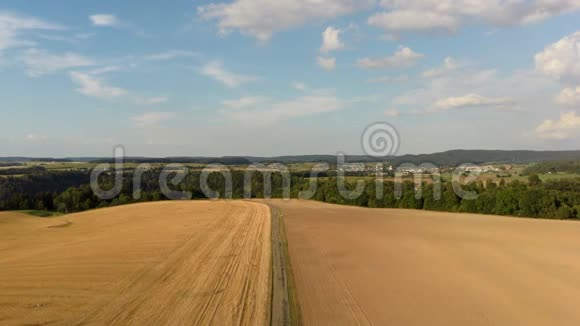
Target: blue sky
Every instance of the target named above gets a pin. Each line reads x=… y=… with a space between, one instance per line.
x=260 y=77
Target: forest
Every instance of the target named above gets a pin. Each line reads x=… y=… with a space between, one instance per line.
x=572 y=166
x=70 y=191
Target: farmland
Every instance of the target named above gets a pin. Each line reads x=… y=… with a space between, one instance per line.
x=211 y=262
x=360 y=266
x=147 y=264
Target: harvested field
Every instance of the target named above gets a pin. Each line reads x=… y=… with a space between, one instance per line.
x=357 y=266
x=167 y=263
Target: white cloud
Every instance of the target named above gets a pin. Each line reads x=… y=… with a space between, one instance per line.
x=95 y=87
x=388 y=79
x=392 y=113
x=12 y=26
x=526 y=87
x=272 y=112
x=569 y=96
x=112 y=21
x=262 y=18
x=151 y=100
x=72 y=39
x=244 y=102
x=566 y=127
x=326 y=63
x=105 y=20
x=449 y=65
x=83 y=36
x=403 y=58
x=39 y=62
x=93 y=84
x=561 y=60
x=511 y=125
x=470 y=100
x=331 y=40
x=35 y=137
x=106 y=69
x=216 y=70
x=300 y=86
x=171 y=54
x=152 y=119
x=400 y=16
x=413 y=20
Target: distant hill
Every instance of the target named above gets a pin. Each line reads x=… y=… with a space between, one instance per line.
x=448 y=158
x=457 y=157
x=33 y=159
x=228 y=160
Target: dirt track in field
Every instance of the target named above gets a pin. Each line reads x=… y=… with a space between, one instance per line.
x=356 y=266
x=168 y=263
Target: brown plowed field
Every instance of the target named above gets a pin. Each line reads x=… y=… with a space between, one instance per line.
x=168 y=263
x=356 y=266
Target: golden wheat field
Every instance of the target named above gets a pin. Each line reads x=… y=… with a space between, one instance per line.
x=359 y=266
x=167 y=263
x=210 y=263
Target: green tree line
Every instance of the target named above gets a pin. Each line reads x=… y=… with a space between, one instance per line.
x=69 y=191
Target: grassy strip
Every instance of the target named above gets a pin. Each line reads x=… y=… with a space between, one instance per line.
x=294 y=304
x=279 y=309
x=285 y=309
x=38 y=213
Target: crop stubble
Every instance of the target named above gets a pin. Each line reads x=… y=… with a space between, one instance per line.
x=359 y=266
x=170 y=263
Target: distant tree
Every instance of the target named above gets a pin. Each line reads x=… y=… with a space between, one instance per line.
x=534 y=180
x=490 y=184
x=486 y=203
x=530 y=203
x=469 y=206
x=450 y=199
x=506 y=202
x=577 y=211
x=502 y=183
x=564 y=212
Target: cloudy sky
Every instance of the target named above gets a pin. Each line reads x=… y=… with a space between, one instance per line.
x=262 y=77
